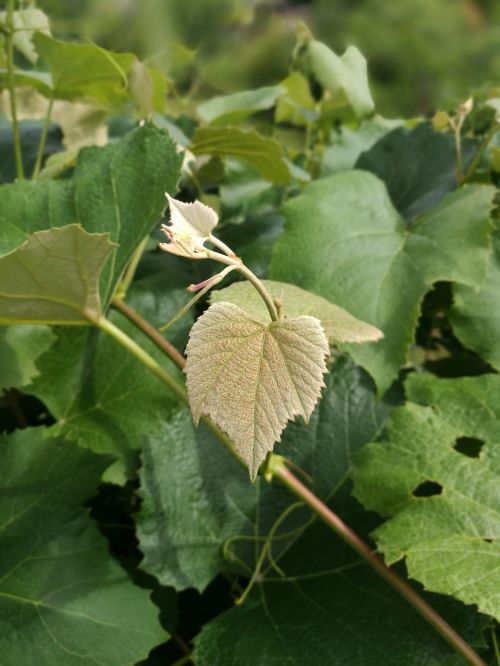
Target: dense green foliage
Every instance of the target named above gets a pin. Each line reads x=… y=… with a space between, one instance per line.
x=130 y=536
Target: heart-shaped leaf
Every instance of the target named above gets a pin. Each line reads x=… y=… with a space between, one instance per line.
x=53 y=278
x=251 y=377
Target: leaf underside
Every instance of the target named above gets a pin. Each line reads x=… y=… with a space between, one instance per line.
x=251 y=378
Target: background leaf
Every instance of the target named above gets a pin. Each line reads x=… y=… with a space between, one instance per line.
x=265 y=155
x=440 y=488
x=117 y=189
x=344 y=241
x=339 y=325
x=56 y=574
x=232 y=109
x=20 y=347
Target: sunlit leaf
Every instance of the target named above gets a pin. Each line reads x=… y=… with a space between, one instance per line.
x=251 y=378
x=337 y=323
x=26 y=23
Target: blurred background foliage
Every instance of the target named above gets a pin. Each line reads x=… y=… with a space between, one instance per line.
x=422 y=54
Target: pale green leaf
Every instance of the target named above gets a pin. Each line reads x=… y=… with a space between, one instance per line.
x=119 y=189
x=64 y=601
x=450 y=539
x=251 y=378
x=229 y=109
x=140 y=84
x=86 y=71
x=297 y=105
x=265 y=155
x=26 y=23
x=475 y=314
x=345 y=77
x=337 y=323
x=20 y=347
x=53 y=278
x=344 y=241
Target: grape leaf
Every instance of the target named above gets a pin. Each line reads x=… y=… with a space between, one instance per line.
x=53 y=278
x=345 y=77
x=231 y=109
x=20 y=347
x=195 y=496
x=265 y=155
x=119 y=189
x=297 y=105
x=251 y=378
x=26 y=23
x=448 y=530
x=63 y=599
x=338 y=324
x=475 y=315
x=344 y=241
x=418 y=166
x=327 y=609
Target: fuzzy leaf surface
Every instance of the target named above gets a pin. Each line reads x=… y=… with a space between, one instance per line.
x=450 y=538
x=338 y=324
x=251 y=378
x=475 y=314
x=53 y=278
x=57 y=576
x=344 y=241
x=265 y=155
x=117 y=189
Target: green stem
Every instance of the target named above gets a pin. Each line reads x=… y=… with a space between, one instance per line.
x=43 y=140
x=276 y=468
x=9 y=48
x=495 y=644
x=128 y=278
x=481 y=150
x=265 y=295
x=147 y=360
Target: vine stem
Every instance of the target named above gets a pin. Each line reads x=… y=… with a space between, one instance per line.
x=9 y=49
x=481 y=150
x=277 y=468
x=43 y=139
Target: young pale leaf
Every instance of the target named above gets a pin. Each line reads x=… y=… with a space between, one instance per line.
x=251 y=378
x=339 y=325
x=53 y=278
x=437 y=477
x=345 y=77
x=265 y=155
x=190 y=226
x=26 y=23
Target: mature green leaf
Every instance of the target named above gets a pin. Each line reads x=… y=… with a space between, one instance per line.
x=475 y=314
x=20 y=347
x=327 y=609
x=118 y=189
x=195 y=496
x=338 y=324
x=418 y=166
x=345 y=242
x=229 y=109
x=244 y=193
x=348 y=144
x=40 y=81
x=26 y=23
x=251 y=378
x=63 y=599
x=449 y=535
x=262 y=153
x=101 y=396
x=297 y=105
x=53 y=278
x=345 y=77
